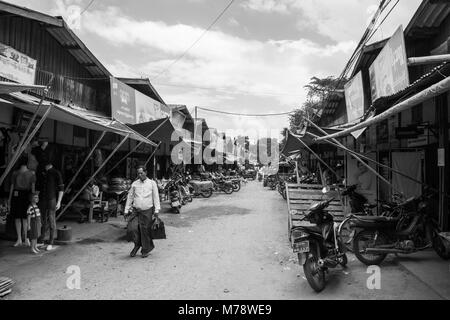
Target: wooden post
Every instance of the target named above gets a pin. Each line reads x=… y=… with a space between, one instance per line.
x=93 y=176
x=444 y=171
x=417 y=61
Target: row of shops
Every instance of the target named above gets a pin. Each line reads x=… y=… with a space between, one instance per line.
x=394 y=113
x=53 y=89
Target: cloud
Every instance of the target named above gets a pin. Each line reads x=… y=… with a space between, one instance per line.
x=220 y=60
x=233 y=22
x=341 y=20
x=269 y=6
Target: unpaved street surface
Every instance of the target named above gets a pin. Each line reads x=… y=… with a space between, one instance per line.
x=226 y=247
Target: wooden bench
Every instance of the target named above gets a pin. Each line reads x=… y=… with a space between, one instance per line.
x=300 y=197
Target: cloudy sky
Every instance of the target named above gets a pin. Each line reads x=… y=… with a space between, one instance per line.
x=255 y=59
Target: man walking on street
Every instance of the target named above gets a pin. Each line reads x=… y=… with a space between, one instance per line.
x=51 y=189
x=143 y=202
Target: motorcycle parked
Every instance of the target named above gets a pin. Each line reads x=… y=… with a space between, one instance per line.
x=361 y=207
x=410 y=232
x=318 y=246
x=272 y=181
x=185 y=193
x=221 y=184
x=173 y=194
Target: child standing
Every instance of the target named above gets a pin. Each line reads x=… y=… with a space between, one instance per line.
x=34 y=222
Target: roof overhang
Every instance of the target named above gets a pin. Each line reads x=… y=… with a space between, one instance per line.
x=58 y=29
x=77 y=117
x=159 y=130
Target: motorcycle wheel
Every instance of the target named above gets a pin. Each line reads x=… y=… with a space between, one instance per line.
x=189 y=199
x=207 y=193
x=228 y=189
x=344 y=261
x=284 y=194
x=364 y=239
x=439 y=246
x=346 y=234
x=236 y=187
x=314 y=275
x=177 y=210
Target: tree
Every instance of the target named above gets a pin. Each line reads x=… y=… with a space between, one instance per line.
x=318 y=91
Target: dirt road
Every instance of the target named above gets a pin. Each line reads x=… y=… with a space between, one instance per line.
x=226 y=247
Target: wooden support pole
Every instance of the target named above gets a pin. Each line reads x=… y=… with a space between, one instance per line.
x=85 y=161
x=153 y=153
x=353 y=155
x=93 y=176
x=444 y=166
x=418 y=61
x=25 y=143
x=137 y=146
x=433 y=91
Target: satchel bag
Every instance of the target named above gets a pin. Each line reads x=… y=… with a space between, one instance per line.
x=157 y=230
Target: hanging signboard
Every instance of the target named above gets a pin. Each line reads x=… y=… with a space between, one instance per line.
x=132 y=107
x=177 y=119
x=389 y=71
x=419 y=140
x=354 y=98
x=16 y=66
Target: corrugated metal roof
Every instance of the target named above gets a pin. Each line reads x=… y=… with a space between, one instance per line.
x=58 y=28
x=428 y=16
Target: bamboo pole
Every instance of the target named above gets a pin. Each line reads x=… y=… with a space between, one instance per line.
x=318 y=158
x=21 y=149
x=153 y=153
x=380 y=164
x=136 y=147
x=85 y=161
x=93 y=176
x=418 y=61
x=24 y=138
x=433 y=91
x=354 y=156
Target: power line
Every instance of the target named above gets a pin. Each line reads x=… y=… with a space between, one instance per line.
x=196 y=41
x=363 y=41
x=87 y=7
x=227 y=91
x=387 y=15
x=247 y=114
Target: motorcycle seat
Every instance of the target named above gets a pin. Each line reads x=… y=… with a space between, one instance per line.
x=370 y=206
x=313 y=229
x=372 y=221
x=375 y=218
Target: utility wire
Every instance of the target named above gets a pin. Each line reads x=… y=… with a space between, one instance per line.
x=196 y=41
x=228 y=91
x=87 y=7
x=247 y=114
x=281 y=94
x=387 y=15
x=362 y=42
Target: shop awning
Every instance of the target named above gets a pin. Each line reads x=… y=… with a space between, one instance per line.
x=9 y=87
x=160 y=130
x=78 y=117
x=294 y=144
x=439 y=88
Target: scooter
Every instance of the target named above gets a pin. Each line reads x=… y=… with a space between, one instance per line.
x=272 y=181
x=318 y=246
x=221 y=184
x=411 y=232
x=173 y=194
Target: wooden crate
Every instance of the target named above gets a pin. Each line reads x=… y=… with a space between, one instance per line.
x=301 y=197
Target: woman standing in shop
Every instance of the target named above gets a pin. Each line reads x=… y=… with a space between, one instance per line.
x=23 y=183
